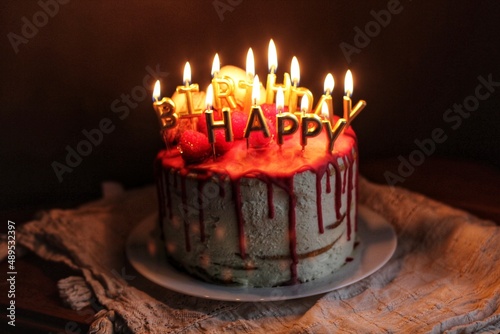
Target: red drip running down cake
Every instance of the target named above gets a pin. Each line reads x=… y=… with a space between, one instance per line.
x=258 y=217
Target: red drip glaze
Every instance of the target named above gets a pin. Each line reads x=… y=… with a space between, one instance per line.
x=160 y=192
x=350 y=169
x=344 y=182
x=270 y=199
x=185 y=207
x=201 y=217
x=292 y=230
x=222 y=190
x=328 y=185
x=356 y=188
x=338 y=188
x=319 y=205
x=169 y=197
x=239 y=214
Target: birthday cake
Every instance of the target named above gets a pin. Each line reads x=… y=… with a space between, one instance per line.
x=250 y=199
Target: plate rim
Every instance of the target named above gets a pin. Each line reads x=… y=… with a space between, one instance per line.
x=374 y=250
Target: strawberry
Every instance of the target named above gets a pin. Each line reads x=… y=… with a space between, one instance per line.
x=239 y=121
x=194 y=146
x=257 y=138
x=221 y=145
x=269 y=111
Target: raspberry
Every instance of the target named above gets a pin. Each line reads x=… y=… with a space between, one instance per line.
x=194 y=146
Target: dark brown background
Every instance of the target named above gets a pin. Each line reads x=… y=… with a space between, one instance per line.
x=65 y=79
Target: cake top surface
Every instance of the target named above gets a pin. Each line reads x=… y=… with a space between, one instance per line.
x=274 y=160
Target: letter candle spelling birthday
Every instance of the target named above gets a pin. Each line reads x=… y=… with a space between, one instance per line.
x=213 y=125
x=165 y=109
x=223 y=87
x=272 y=59
x=247 y=84
x=188 y=89
x=287 y=123
x=272 y=86
x=296 y=92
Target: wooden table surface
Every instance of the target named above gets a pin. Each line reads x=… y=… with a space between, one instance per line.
x=471 y=186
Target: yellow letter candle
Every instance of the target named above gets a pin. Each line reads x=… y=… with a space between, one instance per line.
x=332 y=134
x=272 y=59
x=310 y=123
x=247 y=84
x=212 y=125
x=349 y=112
x=256 y=120
x=223 y=87
x=286 y=123
x=327 y=96
x=296 y=92
x=188 y=90
x=165 y=109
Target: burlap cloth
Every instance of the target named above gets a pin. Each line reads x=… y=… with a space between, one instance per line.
x=443 y=277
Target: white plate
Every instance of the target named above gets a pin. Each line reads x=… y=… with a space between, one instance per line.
x=377 y=243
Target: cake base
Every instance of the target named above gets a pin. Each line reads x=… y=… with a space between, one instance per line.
x=146 y=253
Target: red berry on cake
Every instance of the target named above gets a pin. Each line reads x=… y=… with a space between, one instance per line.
x=239 y=120
x=269 y=111
x=221 y=145
x=194 y=146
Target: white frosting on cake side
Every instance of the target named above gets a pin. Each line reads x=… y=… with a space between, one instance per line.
x=205 y=236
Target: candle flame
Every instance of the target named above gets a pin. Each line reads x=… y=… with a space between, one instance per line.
x=329 y=84
x=157 y=90
x=187 y=74
x=215 y=65
x=304 y=104
x=295 y=71
x=256 y=90
x=325 y=112
x=280 y=99
x=348 y=84
x=209 y=97
x=272 y=57
x=250 y=63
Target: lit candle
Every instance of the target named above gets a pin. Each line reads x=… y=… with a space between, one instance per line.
x=247 y=84
x=349 y=112
x=256 y=120
x=295 y=77
x=348 y=87
x=212 y=125
x=332 y=134
x=216 y=66
x=164 y=108
x=188 y=89
x=296 y=92
x=304 y=106
x=272 y=59
x=286 y=123
x=223 y=88
x=326 y=98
